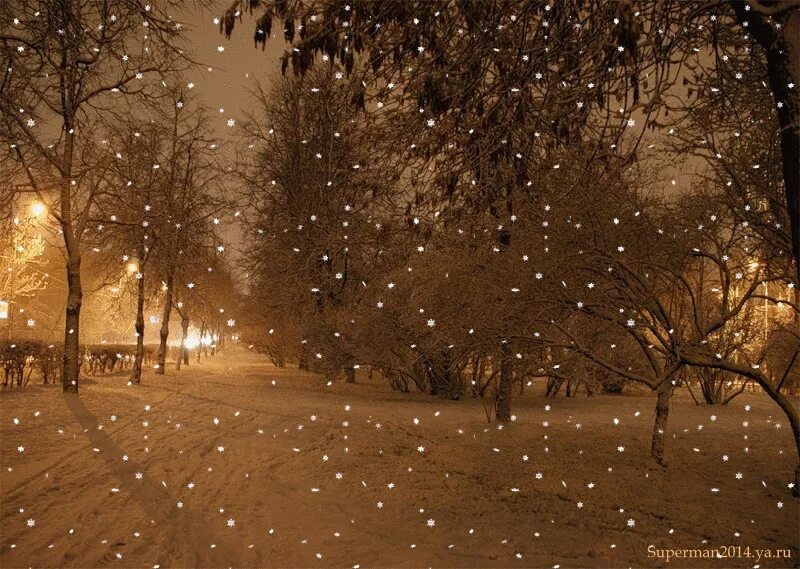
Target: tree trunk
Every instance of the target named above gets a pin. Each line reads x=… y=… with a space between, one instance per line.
x=786 y=404
x=782 y=47
x=136 y=374
x=161 y=360
x=660 y=425
x=350 y=374
x=432 y=376
x=479 y=384
x=72 y=355
x=183 y=351
x=200 y=348
x=779 y=78
x=503 y=399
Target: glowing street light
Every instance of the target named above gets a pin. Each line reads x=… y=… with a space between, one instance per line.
x=38 y=209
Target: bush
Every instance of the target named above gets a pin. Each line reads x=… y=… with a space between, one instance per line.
x=21 y=358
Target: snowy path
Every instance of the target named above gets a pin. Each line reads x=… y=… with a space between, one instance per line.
x=236 y=471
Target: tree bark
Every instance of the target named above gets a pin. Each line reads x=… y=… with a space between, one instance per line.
x=779 y=78
x=503 y=398
x=136 y=373
x=72 y=355
x=349 y=374
x=794 y=422
x=782 y=47
x=161 y=360
x=660 y=424
x=183 y=351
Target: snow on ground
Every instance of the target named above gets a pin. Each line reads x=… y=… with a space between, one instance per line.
x=218 y=466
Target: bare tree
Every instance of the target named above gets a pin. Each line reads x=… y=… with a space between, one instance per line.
x=564 y=72
x=65 y=64
x=674 y=283
x=132 y=215
x=192 y=201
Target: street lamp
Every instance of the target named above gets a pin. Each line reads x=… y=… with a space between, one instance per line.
x=38 y=209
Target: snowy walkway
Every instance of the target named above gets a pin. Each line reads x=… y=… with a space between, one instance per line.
x=216 y=466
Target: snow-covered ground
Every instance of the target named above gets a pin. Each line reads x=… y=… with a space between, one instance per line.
x=218 y=466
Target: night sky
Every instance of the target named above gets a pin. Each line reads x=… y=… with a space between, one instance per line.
x=235 y=70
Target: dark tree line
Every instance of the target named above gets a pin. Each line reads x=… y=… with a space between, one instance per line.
x=521 y=239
